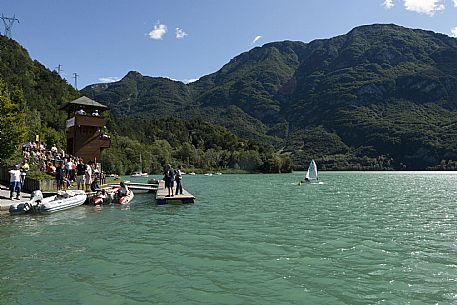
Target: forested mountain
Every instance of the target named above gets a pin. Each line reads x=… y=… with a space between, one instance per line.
x=31 y=95
x=43 y=91
x=381 y=96
x=378 y=97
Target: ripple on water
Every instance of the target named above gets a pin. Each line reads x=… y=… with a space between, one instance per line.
x=358 y=238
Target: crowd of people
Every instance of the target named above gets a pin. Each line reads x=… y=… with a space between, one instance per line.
x=68 y=170
x=65 y=169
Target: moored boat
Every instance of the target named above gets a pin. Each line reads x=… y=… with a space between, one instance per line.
x=139 y=174
x=37 y=204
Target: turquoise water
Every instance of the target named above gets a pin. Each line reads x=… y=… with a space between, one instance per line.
x=357 y=238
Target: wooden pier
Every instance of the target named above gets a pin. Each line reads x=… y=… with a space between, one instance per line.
x=162 y=196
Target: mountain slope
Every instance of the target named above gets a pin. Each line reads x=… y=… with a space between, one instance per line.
x=44 y=90
x=382 y=92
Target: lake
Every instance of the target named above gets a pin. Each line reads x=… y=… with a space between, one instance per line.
x=355 y=238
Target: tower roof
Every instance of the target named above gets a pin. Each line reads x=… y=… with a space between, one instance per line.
x=85 y=102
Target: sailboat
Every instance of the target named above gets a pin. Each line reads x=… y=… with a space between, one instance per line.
x=311 y=174
x=140 y=173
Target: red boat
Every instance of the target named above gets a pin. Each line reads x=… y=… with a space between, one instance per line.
x=125 y=198
x=103 y=197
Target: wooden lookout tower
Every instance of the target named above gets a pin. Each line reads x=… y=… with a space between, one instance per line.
x=86 y=128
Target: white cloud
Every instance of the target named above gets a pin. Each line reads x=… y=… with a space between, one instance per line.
x=109 y=79
x=388 y=4
x=180 y=34
x=455 y=3
x=256 y=39
x=158 y=31
x=187 y=81
x=428 y=7
x=454 y=32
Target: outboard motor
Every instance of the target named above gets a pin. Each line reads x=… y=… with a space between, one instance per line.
x=29 y=206
x=36 y=196
x=35 y=200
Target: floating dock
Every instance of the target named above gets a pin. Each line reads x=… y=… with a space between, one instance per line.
x=162 y=196
x=151 y=187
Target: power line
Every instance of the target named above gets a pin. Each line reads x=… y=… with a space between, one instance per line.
x=8 y=23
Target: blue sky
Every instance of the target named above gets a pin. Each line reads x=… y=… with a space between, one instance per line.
x=102 y=40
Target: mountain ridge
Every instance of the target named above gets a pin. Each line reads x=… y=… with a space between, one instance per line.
x=327 y=85
x=378 y=97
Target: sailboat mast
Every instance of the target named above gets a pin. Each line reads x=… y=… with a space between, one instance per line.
x=141 y=164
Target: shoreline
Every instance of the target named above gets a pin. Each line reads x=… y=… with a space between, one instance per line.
x=5 y=200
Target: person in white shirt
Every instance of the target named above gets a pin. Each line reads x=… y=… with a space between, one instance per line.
x=54 y=150
x=178 y=179
x=69 y=169
x=88 y=176
x=15 y=182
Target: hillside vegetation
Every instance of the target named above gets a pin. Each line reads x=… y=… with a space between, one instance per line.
x=39 y=94
x=378 y=97
x=31 y=97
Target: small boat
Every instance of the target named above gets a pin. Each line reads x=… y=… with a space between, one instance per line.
x=153 y=181
x=122 y=200
x=139 y=174
x=103 y=197
x=311 y=174
x=39 y=205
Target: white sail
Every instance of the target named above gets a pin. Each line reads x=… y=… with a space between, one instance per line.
x=311 y=174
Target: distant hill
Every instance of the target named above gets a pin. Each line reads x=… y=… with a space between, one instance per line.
x=381 y=96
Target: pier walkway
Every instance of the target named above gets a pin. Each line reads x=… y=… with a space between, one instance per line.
x=162 y=196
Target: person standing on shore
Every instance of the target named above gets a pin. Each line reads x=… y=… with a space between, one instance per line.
x=88 y=176
x=80 y=173
x=24 y=169
x=69 y=169
x=178 y=178
x=15 y=182
x=60 y=176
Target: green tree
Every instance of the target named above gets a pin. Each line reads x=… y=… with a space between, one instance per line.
x=13 y=130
